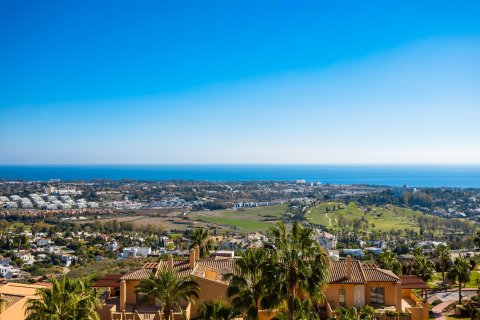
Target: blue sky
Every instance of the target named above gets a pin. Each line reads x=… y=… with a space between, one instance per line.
x=278 y=81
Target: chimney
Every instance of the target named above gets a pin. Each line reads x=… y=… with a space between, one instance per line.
x=192 y=258
x=197 y=253
x=348 y=267
x=170 y=262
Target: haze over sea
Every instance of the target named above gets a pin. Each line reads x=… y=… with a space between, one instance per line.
x=412 y=175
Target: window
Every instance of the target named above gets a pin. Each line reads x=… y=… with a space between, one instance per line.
x=377 y=296
x=341 y=297
x=141 y=298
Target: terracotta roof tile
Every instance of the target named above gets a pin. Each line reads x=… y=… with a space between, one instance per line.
x=337 y=272
x=108 y=281
x=138 y=274
x=413 y=282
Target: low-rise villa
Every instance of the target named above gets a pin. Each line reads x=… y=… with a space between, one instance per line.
x=350 y=284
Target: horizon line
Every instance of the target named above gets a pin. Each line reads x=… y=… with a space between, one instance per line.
x=242 y=164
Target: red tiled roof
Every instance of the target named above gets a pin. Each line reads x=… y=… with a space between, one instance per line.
x=413 y=282
x=379 y=275
x=182 y=267
x=337 y=272
x=138 y=274
x=368 y=272
x=108 y=281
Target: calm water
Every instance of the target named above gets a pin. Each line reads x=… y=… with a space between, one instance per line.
x=420 y=176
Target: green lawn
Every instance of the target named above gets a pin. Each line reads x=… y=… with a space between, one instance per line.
x=390 y=217
x=474 y=276
x=248 y=219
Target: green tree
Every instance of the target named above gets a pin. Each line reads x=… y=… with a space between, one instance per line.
x=217 y=310
x=249 y=287
x=68 y=299
x=442 y=252
x=460 y=272
x=388 y=260
x=367 y=313
x=170 y=289
x=424 y=268
x=301 y=267
x=303 y=311
x=200 y=238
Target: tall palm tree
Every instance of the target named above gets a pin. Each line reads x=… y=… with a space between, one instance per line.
x=443 y=254
x=68 y=299
x=423 y=267
x=388 y=260
x=200 y=238
x=301 y=268
x=249 y=289
x=170 y=289
x=460 y=272
x=217 y=310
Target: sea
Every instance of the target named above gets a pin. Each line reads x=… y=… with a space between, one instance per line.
x=386 y=175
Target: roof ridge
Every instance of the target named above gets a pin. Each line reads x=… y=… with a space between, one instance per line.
x=389 y=272
x=361 y=270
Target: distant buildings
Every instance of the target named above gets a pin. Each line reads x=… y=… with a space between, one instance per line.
x=353 y=252
x=136 y=252
x=326 y=240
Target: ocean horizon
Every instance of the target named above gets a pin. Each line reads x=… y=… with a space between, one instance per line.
x=464 y=176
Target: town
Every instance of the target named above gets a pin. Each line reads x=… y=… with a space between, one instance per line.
x=101 y=231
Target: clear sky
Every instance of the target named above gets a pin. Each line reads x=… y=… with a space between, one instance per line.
x=280 y=81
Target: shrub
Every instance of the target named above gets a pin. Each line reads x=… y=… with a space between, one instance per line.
x=436 y=302
x=391 y=313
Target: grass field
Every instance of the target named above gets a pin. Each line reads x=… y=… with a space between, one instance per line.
x=327 y=214
x=474 y=276
x=248 y=219
x=390 y=217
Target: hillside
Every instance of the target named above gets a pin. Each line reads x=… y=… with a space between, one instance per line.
x=335 y=215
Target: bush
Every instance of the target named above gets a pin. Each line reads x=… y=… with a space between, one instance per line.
x=436 y=302
x=391 y=313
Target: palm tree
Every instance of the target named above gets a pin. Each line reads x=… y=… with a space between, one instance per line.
x=200 y=239
x=303 y=311
x=249 y=289
x=170 y=289
x=443 y=254
x=301 y=268
x=217 y=310
x=423 y=267
x=68 y=299
x=460 y=272
x=388 y=260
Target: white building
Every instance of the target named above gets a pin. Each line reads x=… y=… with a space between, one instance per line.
x=67 y=259
x=43 y=242
x=353 y=252
x=11 y=205
x=136 y=252
x=113 y=245
x=326 y=240
x=27 y=258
